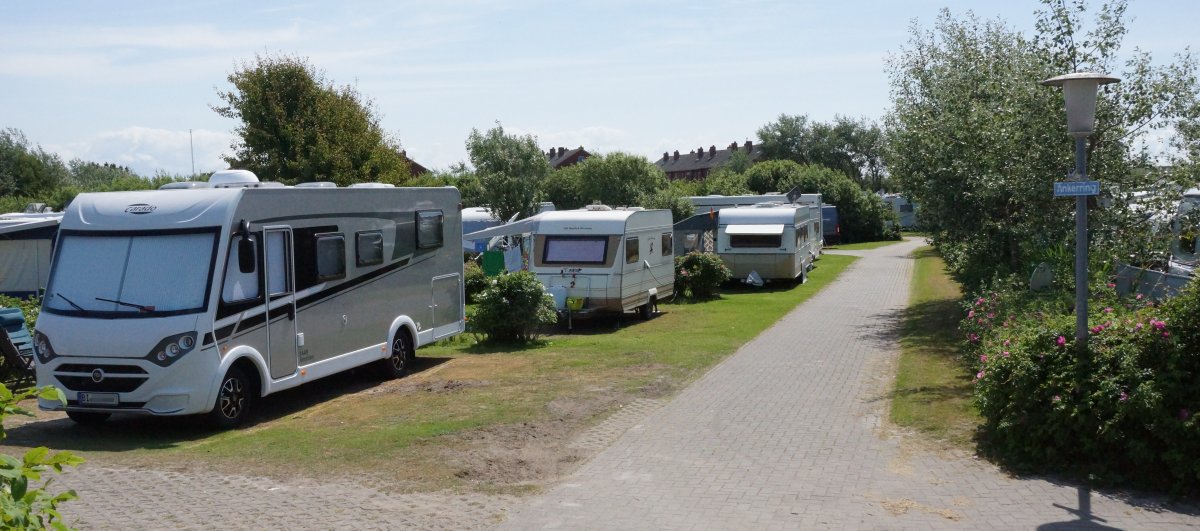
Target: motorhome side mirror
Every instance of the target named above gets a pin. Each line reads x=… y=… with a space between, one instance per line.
x=246 y=258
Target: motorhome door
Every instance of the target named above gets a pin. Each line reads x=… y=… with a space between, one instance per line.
x=281 y=305
x=446 y=306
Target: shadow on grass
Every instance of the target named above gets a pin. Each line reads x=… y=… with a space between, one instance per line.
x=127 y=431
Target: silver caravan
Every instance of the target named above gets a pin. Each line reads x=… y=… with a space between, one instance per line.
x=775 y=242
x=599 y=259
x=185 y=301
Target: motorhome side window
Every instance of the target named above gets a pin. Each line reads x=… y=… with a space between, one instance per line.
x=429 y=229
x=241 y=286
x=631 y=250
x=331 y=257
x=368 y=248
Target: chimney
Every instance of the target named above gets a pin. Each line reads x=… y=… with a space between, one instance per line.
x=733 y=146
x=749 y=146
x=550 y=153
x=561 y=151
x=699 y=153
x=712 y=151
x=666 y=156
x=677 y=155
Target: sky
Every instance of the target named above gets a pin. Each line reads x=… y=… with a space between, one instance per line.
x=134 y=82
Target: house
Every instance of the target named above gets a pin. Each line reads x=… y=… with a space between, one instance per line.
x=414 y=169
x=562 y=157
x=696 y=165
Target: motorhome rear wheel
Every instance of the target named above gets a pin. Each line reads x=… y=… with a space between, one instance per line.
x=398 y=364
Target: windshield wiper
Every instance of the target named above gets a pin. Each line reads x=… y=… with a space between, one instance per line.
x=69 y=301
x=141 y=308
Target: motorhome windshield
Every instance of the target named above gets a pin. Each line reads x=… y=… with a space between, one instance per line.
x=131 y=275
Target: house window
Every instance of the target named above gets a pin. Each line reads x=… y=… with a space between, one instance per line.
x=429 y=229
x=631 y=250
x=331 y=257
x=368 y=248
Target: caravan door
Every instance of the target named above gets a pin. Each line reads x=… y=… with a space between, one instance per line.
x=281 y=302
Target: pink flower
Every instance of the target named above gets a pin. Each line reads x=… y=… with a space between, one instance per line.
x=1124 y=396
x=971 y=314
x=1056 y=399
x=1097 y=329
x=1108 y=310
x=1061 y=341
x=1006 y=342
x=1005 y=353
x=991 y=315
x=973 y=337
x=1138 y=327
x=983 y=358
x=979 y=375
x=1138 y=297
x=1166 y=334
x=1158 y=324
x=1111 y=285
x=980 y=300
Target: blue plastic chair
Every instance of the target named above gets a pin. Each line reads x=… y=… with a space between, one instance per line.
x=16 y=343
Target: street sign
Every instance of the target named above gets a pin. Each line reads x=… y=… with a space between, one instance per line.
x=1076 y=188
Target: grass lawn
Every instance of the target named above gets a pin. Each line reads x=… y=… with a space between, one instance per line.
x=862 y=246
x=483 y=417
x=933 y=386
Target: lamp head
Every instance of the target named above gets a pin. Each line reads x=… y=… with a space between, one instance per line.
x=1079 y=89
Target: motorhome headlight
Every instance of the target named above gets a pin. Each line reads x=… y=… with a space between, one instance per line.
x=41 y=346
x=172 y=348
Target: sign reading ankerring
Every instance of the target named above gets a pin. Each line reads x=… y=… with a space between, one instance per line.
x=140 y=208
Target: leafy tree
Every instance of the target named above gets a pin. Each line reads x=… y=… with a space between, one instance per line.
x=86 y=175
x=562 y=188
x=977 y=142
x=296 y=126
x=617 y=179
x=510 y=170
x=772 y=176
x=854 y=147
x=26 y=170
x=725 y=181
x=862 y=215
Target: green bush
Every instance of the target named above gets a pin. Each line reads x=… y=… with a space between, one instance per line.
x=1123 y=412
x=698 y=275
x=23 y=503
x=475 y=280
x=512 y=308
x=31 y=307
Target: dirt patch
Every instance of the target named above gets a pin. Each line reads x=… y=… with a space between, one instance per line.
x=902 y=506
x=432 y=386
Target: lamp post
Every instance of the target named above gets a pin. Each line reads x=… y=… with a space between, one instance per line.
x=1079 y=90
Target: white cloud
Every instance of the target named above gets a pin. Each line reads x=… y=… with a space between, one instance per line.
x=148 y=151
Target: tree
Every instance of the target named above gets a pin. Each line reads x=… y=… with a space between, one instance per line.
x=86 y=175
x=862 y=215
x=510 y=169
x=854 y=147
x=617 y=179
x=976 y=141
x=296 y=126
x=25 y=170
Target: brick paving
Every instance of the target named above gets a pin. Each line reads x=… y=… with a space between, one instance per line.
x=789 y=433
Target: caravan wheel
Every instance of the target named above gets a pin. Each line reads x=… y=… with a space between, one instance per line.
x=398 y=364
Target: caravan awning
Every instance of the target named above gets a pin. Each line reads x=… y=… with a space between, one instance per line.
x=523 y=226
x=774 y=228
x=8 y=225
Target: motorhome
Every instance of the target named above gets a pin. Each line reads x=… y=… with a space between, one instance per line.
x=599 y=259
x=774 y=242
x=201 y=300
x=906 y=211
x=26 y=240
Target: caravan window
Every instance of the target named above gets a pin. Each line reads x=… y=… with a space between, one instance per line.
x=631 y=250
x=575 y=250
x=429 y=229
x=331 y=257
x=368 y=248
x=668 y=244
x=691 y=241
x=756 y=240
x=240 y=286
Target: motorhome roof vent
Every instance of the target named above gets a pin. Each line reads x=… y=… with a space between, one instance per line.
x=318 y=184
x=768 y=204
x=372 y=185
x=232 y=178
x=185 y=185
x=632 y=208
x=598 y=208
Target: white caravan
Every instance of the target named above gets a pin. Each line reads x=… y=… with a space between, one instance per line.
x=182 y=301
x=599 y=259
x=775 y=242
x=711 y=204
x=26 y=240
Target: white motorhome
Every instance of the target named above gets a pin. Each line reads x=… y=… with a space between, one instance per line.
x=26 y=240
x=184 y=301
x=773 y=241
x=601 y=259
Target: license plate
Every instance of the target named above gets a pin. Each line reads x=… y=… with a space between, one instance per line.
x=98 y=399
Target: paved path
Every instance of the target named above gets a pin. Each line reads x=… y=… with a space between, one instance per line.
x=788 y=433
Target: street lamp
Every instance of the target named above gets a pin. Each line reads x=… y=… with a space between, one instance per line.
x=1079 y=89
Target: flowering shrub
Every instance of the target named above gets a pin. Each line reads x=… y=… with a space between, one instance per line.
x=698 y=275
x=512 y=308
x=475 y=280
x=1122 y=412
